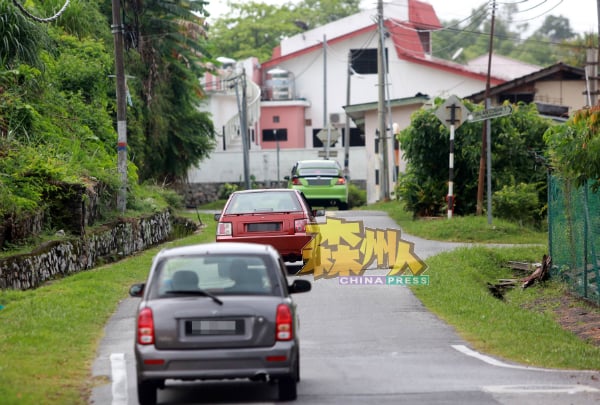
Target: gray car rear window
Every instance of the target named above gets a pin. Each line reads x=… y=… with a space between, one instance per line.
x=217 y=274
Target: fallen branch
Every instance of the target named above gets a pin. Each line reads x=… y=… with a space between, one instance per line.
x=540 y=273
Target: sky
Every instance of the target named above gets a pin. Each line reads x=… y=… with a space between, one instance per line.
x=582 y=14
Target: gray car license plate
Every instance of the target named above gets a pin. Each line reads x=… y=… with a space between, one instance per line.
x=215 y=327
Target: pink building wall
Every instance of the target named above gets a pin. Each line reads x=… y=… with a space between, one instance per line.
x=291 y=118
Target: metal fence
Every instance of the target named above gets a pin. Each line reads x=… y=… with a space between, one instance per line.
x=574 y=236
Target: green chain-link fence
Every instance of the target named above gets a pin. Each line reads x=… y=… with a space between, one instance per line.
x=574 y=236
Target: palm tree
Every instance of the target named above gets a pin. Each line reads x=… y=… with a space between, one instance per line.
x=170 y=38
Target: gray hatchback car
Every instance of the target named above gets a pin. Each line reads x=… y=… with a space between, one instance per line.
x=217 y=311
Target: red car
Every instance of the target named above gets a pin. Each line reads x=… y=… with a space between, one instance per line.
x=276 y=217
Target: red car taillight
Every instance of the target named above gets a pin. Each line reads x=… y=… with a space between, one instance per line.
x=224 y=229
x=296 y=181
x=283 y=323
x=341 y=180
x=300 y=225
x=145 y=327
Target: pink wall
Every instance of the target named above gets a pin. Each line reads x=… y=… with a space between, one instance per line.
x=290 y=118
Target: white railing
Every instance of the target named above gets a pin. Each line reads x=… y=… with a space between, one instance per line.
x=233 y=139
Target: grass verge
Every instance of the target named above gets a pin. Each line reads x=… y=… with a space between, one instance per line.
x=460 y=229
x=49 y=336
x=515 y=328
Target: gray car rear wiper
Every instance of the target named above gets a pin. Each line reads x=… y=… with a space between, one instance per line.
x=196 y=292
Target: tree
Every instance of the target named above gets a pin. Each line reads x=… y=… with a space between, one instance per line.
x=170 y=39
x=556 y=28
x=425 y=145
x=254 y=28
x=574 y=147
x=553 y=41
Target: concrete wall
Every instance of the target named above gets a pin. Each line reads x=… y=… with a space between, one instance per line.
x=228 y=166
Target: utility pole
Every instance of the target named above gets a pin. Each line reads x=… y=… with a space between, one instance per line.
x=487 y=127
x=242 y=112
x=278 y=151
x=347 y=126
x=117 y=30
x=383 y=133
x=325 y=118
x=244 y=130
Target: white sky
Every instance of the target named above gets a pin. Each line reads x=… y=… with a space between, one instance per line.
x=582 y=14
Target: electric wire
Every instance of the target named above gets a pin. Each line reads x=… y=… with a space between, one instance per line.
x=38 y=19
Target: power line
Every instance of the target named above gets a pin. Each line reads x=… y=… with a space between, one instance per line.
x=38 y=19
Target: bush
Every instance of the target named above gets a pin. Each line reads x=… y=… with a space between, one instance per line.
x=420 y=197
x=226 y=189
x=519 y=203
x=356 y=196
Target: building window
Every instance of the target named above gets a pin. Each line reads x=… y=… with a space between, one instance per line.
x=425 y=38
x=357 y=138
x=376 y=177
x=364 y=61
x=273 y=135
x=276 y=119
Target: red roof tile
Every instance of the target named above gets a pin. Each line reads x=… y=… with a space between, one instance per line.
x=422 y=15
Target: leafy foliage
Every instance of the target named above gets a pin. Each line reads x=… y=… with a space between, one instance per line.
x=172 y=134
x=226 y=190
x=356 y=196
x=574 y=147
x=21 y=38
x=425 y=144
x=518 y=203
x=552 y=42
x=263 y=25
x=57 y=97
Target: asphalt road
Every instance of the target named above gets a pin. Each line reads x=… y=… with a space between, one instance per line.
x=361 y=344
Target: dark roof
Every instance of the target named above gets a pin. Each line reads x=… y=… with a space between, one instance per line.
x=357 y=111
x=558 y=71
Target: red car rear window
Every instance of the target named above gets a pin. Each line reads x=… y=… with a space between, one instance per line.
x=273 y=201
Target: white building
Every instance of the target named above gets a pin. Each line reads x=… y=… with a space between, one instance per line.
x=305 y=89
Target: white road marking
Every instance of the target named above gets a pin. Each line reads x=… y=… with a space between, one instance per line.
x=119 y=378
x=495 y=362
x=539 y=389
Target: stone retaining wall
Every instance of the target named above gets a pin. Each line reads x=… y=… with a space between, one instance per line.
x=110 y=243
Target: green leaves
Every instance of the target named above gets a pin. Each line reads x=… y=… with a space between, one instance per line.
x=574 y=147
x=20 y=38
x=262 y=26
x=425 y=145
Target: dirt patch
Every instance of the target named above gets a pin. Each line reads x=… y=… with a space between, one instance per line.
x=573 y=314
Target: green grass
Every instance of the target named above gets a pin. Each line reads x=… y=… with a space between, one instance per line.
x=458 y=294
x=215 y=205
x=461 y=229
x=49 y=336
